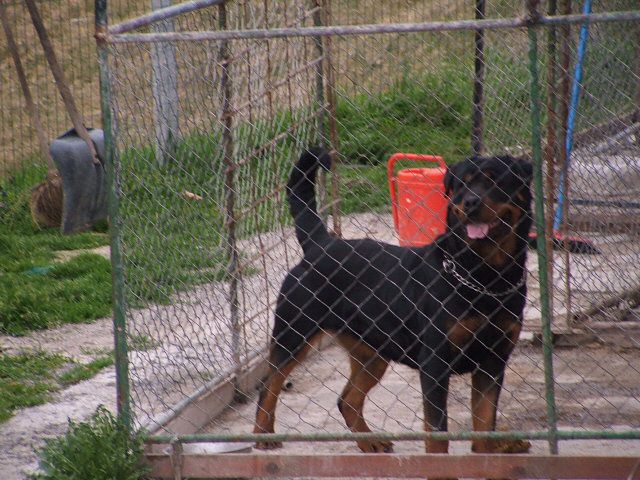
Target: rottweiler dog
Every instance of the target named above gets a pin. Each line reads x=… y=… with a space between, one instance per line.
x=451 y=307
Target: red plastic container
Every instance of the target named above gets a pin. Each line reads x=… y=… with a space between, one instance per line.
x=418 y=199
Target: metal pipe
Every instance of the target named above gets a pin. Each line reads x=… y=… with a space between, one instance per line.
x=637 y=72
x=400 y=436
x=563 y=113
x=123 y=391
x=163 y=419
x=162 y=14
x=113 y=37
x=319 y=76
x=320 y=123
x=332 y=103
x=605 y=203
x=573 y=109
x=536 y=147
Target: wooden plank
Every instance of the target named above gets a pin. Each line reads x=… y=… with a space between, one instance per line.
x=398 y=466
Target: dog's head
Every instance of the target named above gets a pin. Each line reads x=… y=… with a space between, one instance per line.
x=489 y=202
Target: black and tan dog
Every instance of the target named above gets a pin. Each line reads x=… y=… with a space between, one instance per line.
x=452 y=307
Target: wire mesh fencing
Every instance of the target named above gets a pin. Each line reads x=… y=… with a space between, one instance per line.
x=73 y=43
x=207 y=131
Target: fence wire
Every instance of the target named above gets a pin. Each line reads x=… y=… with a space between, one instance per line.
x=206 y=136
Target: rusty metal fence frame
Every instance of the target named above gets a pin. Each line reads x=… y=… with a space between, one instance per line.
x=168 y=456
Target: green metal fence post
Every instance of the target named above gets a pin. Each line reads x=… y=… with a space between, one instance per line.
x=536 y=147
x=113 y=182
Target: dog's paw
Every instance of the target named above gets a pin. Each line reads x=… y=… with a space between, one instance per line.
x=513 y=446
x=376 y=447
x=268 y=445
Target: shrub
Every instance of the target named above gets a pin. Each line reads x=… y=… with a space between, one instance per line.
x=101 y=448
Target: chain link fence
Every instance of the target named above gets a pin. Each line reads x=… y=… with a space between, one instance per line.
x=206 y=129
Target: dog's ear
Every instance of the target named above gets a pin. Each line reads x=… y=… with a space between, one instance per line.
x=527 y=169
x=522 y=167
x=451 y=177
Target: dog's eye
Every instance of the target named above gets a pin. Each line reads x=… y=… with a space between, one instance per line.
x=488 y=178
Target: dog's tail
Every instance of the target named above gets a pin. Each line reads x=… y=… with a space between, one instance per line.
x=310 y=229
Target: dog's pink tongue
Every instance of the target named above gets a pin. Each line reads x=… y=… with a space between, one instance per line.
x=477 y=230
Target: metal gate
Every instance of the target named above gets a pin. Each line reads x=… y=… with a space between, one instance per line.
x=207 y=105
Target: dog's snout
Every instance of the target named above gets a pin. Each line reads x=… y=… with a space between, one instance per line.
x=471 y=204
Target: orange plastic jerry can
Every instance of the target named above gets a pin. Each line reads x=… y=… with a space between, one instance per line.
x=418 y=199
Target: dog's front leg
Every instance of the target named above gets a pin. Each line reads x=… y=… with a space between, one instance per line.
x=435 y=389
x=486 y=384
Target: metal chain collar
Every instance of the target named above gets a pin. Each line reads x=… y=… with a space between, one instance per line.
x=450 y=267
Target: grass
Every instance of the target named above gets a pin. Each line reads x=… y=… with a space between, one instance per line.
x=141 y=343
x=46 y=296
x=36 y=292
x=30 y=378
x=172 y=243
x=430 y=115
x=26 y=380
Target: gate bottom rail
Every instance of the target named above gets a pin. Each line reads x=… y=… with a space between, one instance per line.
x=244 y=465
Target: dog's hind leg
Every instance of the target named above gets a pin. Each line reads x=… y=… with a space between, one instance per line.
x=281 y=364
x=367 y=369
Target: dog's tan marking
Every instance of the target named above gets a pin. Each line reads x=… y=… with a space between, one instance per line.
x=484 y=403
x=367 y=369
x=268 y=400
x=511 y=333
x=434 y=446
x=461 y=332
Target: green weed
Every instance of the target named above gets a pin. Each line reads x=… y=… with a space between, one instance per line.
x=29 y=378
x=101 y=448
x=83 y=372
x=141 y=343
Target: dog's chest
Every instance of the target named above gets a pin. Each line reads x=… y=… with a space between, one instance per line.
x=473 y=335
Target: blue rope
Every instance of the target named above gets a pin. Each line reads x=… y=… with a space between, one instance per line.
x=573 y=108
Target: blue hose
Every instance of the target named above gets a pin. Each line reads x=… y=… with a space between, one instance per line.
x=573 y=108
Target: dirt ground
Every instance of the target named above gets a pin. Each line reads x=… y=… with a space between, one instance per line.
x=597 y=387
